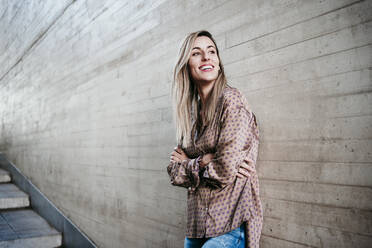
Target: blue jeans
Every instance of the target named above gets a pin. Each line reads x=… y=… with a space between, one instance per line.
x=232 y=239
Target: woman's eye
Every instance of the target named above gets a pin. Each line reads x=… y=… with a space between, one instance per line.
x=212 y=52
x=194 y=54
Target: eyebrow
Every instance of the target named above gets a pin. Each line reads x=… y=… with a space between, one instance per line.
x=200 y=48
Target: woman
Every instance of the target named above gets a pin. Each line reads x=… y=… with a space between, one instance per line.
x=216 y=156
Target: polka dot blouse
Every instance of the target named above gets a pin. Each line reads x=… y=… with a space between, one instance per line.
x=219 y=201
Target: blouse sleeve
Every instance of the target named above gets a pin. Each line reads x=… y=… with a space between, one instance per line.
x=185 y=173
x=237 y=143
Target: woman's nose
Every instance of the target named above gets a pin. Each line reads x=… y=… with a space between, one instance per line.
x=205 y=56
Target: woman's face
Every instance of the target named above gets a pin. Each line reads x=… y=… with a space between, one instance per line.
x=204 y=62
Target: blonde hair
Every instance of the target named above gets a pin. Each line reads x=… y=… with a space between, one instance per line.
x=185 y=94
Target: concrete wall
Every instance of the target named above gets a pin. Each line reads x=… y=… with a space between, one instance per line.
x=85 y=111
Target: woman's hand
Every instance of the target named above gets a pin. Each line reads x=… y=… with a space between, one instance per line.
x=244 y=171
x=178 y=155
x=206 y=159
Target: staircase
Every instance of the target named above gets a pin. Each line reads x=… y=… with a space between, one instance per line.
x=20 y=226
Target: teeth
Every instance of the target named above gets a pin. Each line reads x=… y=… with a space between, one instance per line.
x=206 y=67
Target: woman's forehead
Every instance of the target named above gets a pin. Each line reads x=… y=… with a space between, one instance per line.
x=203 y=41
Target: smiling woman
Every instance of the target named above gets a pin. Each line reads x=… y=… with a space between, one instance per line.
x=204 y=61
x=215 y=159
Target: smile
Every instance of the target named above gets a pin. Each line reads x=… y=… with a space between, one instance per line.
x=206 y=67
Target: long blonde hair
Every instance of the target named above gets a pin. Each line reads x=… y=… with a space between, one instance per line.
x=185 y=94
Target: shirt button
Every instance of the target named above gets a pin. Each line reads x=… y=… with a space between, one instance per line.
x=206 y=209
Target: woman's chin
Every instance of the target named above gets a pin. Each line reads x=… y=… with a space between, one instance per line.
x=206 y=80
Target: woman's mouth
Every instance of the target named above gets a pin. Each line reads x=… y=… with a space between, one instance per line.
x=206 y=67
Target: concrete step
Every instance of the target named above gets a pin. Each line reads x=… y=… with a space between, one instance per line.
x=12 y=197
x=25 y=228
x=4 y=176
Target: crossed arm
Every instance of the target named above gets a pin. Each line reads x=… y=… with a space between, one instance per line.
x=236 y=151
x=178 y=155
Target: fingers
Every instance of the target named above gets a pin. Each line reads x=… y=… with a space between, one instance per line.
x=246 y=167
x=243 y=175
x=240 y=175
x=207 y=158
x=174 y=159
x=180 y=151
x=242 y=172
x=178 y=155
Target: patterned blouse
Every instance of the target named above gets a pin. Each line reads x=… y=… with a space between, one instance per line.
x=218 y=201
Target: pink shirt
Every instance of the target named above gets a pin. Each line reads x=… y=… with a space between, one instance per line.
x=219 y=201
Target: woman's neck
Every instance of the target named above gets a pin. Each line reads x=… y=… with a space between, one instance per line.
x=204 y=90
